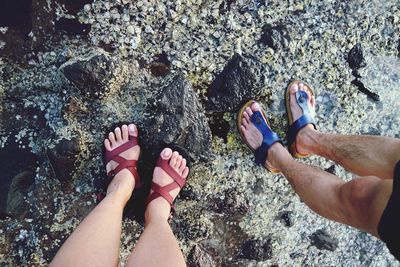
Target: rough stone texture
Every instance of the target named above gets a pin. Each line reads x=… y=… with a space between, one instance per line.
x=276 y=37
x=322 y=240
x=242 y=79
x=63 y=158
x=95 y=74
x=17 y=168
x=201 y=257
x=286 y=217
x=175 y=117
x=355 y=57
x=232 y=202
x=40 y=107
x=259 y=250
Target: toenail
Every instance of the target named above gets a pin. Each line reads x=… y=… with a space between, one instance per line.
x=167 y=152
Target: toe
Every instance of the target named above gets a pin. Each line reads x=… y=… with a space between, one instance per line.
x=255 y=107
x=166 y=153
x=118 y=134
x=111 y=137
x=174 y=158
x=132 y=130
x=293 y=88
x=182 y=166
x=245 y=123
x=249 y=111
x=301 y=86
x=107 y=144
x=185 y=172
x=243 y=129
x=178 y=162
x=124 y=129
x=246 y=116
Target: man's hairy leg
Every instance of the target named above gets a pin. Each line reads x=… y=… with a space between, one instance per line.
x=358 y=203
x=361 y=154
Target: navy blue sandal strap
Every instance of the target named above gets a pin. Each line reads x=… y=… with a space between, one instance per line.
x=269 y=137
x=303 y=121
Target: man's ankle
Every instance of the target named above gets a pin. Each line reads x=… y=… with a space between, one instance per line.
x=308 y=140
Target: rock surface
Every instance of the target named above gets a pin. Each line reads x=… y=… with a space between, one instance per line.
x=259 y=250
x=242 y=79
x=153 y=41
x=95 y=75
x=276 y=37
x=175 y=117
x=200 y=257
x=322 y=240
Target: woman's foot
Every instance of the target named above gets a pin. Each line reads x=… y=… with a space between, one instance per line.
x=123 y=182
x=252 y=135
x=303 y=138
x=159 y=208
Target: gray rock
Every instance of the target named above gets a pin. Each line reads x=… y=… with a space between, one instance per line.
x=259 y=250
x=202 y=257
x=17 y=168
x=63 y=158
x=276 y=37
x=96 y=75
x=242 y=79
x=175 y=117
x=323 y=241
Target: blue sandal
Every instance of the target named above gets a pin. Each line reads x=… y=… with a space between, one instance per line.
x=259 y=119
x=300 y=123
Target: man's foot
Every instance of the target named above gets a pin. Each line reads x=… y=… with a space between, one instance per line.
x=302 y=138
x=123 y=182
x=252 y=135
x=159 y=208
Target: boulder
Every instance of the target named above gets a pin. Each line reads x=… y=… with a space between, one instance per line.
x=63 y=158
x=243 y=78
x=202 y=257
x=323 y=241
x=17 y=168
x=96 y=75
x=174 y=116
x=277 y=37
x=259 y=250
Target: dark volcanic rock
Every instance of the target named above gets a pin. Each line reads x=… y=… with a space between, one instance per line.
x=95 y=75
x=242 y=79
x=361 y=87
x=259 y=250
x=17 y=168
x=276 y=37
x=355 y=57
x=202 y=257
x=286 y=217
x=322 y=240
x=63 y=158
x=175 y=116
x=232 y=203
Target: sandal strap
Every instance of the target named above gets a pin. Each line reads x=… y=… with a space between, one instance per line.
x=124 y=163
x=110 y=155
x=303 y=121
x=164 y=191
x=269 y=137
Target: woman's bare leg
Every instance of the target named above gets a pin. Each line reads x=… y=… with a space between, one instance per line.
x=157 y=245
x=96 y=241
